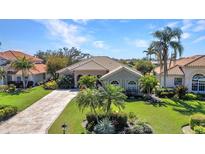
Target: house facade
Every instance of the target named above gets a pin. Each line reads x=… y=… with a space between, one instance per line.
x=35 y=75
x=189 y=71
x=107 y=70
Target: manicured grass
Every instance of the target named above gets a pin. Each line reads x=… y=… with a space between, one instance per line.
x=167 y=118
x=23 y=99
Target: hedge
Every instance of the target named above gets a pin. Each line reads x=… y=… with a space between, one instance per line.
x=7 y=112
x=197 y=120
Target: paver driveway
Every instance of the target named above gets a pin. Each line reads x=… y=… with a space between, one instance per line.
x=38 y=117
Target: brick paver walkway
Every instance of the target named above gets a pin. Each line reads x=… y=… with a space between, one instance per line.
x=38 y=117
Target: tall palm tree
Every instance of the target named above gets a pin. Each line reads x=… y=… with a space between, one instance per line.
x=112 y=95
x=168 y=39
x=155 y=49
x=24 y=65
x=89 y=98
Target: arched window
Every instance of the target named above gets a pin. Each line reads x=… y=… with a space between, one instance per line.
x=132 y=85
x=198 y=83
x=116 y=83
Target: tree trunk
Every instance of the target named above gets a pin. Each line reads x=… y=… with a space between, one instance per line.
x=108 y=106
x=165 y=68
x=23 y=77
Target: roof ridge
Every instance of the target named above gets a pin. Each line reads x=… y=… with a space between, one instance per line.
x=200 y=56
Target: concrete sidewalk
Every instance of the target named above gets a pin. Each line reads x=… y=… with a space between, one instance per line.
x=38 y=117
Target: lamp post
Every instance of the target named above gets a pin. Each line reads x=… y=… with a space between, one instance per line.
x=64 y=127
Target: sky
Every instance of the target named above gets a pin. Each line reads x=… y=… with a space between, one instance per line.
x=115 y=38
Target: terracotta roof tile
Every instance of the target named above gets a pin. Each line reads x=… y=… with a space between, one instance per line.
x=13 y=55
x=37 y=69
x=177 y=67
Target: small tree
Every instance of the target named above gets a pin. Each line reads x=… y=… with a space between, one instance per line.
x=112 y=95
x=89 y=98
x=144 y=66
x=24 y=65
x=55 y=63
x=88 y=81
x=148 y=83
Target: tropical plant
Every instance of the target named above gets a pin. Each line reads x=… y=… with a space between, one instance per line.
x=112 y=95
x=55 y=63
x=88 y=81
x=144 y=66
x=167 y=39
x=148 y=83
x=89 y=98
x=105 y=126
x=24 y=65
x=181 y=91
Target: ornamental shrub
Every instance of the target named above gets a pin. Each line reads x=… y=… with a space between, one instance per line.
x=199 y=129
x=51 y=85
x=197 y=120
x=66 y=82
x=7 y=112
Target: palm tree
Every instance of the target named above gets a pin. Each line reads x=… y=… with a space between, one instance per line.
x=89 y=98
x=167 y=39
x=24 y=65
x=112 y=95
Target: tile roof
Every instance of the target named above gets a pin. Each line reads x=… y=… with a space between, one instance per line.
x=97 y=62
x=135 y=72
x=177 y=67
x=37 y=69
x=12 y=55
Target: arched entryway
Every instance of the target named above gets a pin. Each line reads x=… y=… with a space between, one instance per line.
x=198 y=83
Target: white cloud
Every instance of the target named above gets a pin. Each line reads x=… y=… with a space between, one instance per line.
x=200 y=25
x=185 y=35
x=81 y=21
x=100 y=44
x=141 y=43
x=67 y=34
x=172 y=24
x=187 y=24
x=199 y=39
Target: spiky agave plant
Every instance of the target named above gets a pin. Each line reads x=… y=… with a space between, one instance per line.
x=105 y=126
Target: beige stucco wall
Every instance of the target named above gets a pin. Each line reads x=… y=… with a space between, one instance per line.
x=189 y=73
x=35 y=78
x=170 y=80
x=123 y=77
x=87 y=72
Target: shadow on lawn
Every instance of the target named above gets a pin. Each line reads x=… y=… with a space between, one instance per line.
x=188 y=108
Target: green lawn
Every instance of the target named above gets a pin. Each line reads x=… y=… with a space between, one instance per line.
x=167 y=118
x=23 y=99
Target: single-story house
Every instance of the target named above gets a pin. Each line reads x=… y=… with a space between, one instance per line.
x=35 y=75
x=107 y=70
x=188 y=71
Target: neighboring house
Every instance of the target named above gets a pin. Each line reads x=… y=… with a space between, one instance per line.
x=107 y=70
x=36 y=74
x=189 y=71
